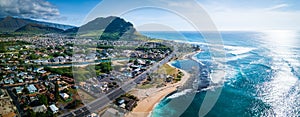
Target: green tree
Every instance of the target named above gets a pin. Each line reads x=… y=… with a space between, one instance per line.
x=25 y=90
x=30 y=113
x=43 y=99
x=135 y=62
x=56 y=91
x=104 y=67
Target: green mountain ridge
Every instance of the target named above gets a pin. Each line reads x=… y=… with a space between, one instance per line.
x=108 y=28
x=37 y=29
x=10 y=24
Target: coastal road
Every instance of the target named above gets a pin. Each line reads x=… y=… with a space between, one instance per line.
x=102 y=101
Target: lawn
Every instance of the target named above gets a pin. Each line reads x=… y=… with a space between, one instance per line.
x=167 y=69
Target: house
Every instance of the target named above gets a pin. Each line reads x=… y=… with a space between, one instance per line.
x=7 y=68
x=31 y=88
x=22 y=74
x=94 y=115
x=40 y=87
x=41 y=108
x=130 y=105
x=19 y=90
x=30 y=77
x=67 y=79
x=51 y=96
x=38 y=69
x=20 y=80
x=64 y=96
x=41 y=71
x=121 y=101
x=9 y=81
x=53 y=108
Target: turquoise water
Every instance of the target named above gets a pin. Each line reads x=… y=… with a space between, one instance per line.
x=262 y=76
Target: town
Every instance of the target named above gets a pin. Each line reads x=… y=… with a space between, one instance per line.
x=43 y=74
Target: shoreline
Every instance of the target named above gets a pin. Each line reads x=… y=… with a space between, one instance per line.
x=146 y=104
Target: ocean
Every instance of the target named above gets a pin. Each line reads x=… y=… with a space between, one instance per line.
x=262 y=71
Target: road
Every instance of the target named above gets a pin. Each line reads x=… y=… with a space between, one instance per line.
x=102 y=101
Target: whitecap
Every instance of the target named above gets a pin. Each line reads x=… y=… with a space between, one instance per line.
x=237 y=50
x=178 y=94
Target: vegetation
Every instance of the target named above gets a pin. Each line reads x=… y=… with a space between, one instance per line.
x=43 y=99
x=56 y=91
x=30 y=113
x=37 y=29
x=104 y=67
x=4 y=45
x=116 y=29
x=66 y=71
x=167 y=69
x=74 y=104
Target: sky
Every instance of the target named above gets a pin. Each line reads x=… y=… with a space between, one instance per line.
x=178 y=14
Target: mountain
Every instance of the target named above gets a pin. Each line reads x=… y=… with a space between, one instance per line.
x=97 y=24
x=37 y=29
x=10 y=24
x=108 y=28
x=118 y=28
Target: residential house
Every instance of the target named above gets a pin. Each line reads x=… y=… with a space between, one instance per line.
x=65 y=96
x=38 y=69
x=53 y=108
x=41 y=109
x=32 y=89
x=19 y=90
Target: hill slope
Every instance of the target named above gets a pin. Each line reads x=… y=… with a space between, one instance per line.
x=38 y=29
x=109 y=28
x=10 y=24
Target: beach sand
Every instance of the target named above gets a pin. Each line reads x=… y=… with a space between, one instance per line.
x=152 y=96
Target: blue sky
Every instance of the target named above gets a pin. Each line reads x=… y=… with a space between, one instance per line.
x=225 y=14
x=74 y=11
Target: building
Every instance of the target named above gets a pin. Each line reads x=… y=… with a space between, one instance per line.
x=31 y=88
x=38 y=69
x=130 y=105
x=41 y=108
x=19 y=90
x=64 y=96
x=53 y=108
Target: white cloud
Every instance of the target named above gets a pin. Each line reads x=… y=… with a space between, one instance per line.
x=253 y=18
x=37 y=9
x=277 y=7
x=226 y=16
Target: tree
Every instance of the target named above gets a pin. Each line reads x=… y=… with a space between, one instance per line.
x=56 y=91
x=30 y=113
x=148 y=62
x=104 y=67
x=43 y=99
x=33 y=56
x=25 y=90
x=14 y=91
x=135 y=62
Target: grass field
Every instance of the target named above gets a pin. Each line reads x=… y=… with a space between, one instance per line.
x=167 y=69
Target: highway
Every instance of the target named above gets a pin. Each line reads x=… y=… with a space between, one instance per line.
x=102 y=101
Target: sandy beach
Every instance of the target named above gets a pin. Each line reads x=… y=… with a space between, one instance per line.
x=152 y=96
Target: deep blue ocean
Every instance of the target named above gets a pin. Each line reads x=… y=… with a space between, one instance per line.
x=262 y=71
